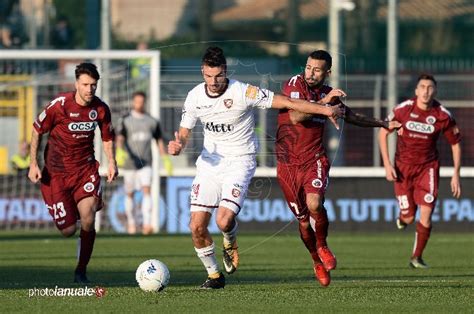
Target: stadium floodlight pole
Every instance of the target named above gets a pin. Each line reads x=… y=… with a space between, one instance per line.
x=392 y=70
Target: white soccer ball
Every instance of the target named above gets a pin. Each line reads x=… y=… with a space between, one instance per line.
x=152 y=275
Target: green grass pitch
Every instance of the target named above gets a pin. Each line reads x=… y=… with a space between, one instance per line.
x=275 y=275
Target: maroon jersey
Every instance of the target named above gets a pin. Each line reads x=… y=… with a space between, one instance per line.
x=416 y=143
x=71 y=132
x=298 y=143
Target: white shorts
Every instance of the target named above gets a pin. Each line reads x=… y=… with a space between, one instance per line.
x=221 y=182
x=135 y=180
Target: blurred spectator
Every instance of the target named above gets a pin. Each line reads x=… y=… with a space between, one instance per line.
x=62 y=34
x=12 y=28
x=21 y=161
x=140 y=67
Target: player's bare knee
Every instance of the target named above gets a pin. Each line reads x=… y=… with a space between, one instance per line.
x=408 y=220
x=68 y=231
x=225 y=225
x=197 y=229
x=314 y=204
x=87 y=223
x=304 y=224
x=426 y=222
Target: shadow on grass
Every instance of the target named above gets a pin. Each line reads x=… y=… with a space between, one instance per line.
x=14 y=277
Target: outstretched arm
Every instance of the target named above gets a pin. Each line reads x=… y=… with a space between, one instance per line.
x=455 y=180
x=34 y=173
x=333 y=96
x=390 y=172
x=364 y=121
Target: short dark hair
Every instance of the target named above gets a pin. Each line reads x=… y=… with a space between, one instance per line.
x=425 y=76
x=322 y=55
x=214 y=57
x=87 y=68
x=139 y=93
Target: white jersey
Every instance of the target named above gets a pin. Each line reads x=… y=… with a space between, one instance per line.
x=228 y=119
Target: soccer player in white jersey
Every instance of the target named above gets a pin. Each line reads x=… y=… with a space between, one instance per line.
x=227 y=162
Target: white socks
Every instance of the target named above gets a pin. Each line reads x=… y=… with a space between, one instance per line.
x=208 y=259
x=229 y=237
x=146 y=209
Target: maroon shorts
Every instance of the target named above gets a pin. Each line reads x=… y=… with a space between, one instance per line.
x=297 y=181
x=416 y=185
x=62 y=193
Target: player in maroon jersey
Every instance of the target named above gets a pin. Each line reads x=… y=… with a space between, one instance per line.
x=416 y=169
x=70 y=181
x=302 y=164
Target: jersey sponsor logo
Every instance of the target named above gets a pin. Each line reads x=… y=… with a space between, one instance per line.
x=92 y=114
x=317 y=183
x=413 y=115
x=414 y=135
x=74 y=114
x=201 y=107
x=429 y=198
x=319 y=170
x=218 y=127
x=295 y=95
x=420 y=127
x=78 y=136
x=89 y=187
x=82 y=126
x=430 y=119
x=251 y=92
x=228 y=103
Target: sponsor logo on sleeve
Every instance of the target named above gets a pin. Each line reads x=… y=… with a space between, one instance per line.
x=42 y=116
x=420 y=127
x=251 y=92
x=295 y=95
